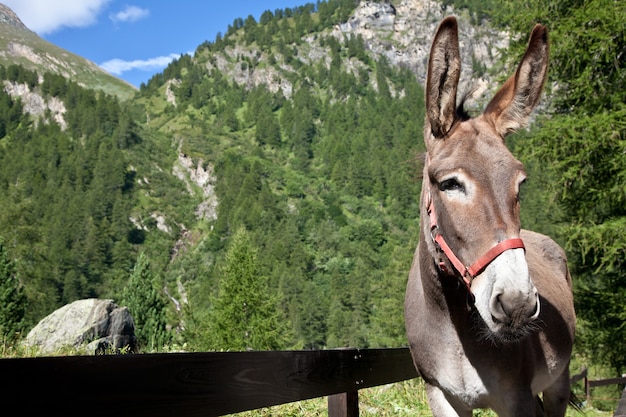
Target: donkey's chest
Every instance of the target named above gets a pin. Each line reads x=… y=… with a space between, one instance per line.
x=459 y=378
x=473 y=373
x=476 y=374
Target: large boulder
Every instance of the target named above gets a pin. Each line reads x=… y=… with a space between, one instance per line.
x=93 y=325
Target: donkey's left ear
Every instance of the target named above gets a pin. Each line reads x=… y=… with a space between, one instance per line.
x=512 y=105
x=444 y=68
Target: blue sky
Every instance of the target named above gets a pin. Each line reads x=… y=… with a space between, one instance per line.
x=135 y=39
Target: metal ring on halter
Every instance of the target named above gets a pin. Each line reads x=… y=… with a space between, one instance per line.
x=432 y=229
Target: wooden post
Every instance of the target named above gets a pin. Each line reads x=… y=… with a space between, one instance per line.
x=345 y=404
x=621 y=406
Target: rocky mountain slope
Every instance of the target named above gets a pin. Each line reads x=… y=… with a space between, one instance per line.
x=19 y=45
x=399 y=31
x=402 y=33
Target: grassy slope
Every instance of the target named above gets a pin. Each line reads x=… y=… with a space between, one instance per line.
x=49 y=57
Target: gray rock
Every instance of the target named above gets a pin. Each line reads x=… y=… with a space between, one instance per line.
x=93 y=325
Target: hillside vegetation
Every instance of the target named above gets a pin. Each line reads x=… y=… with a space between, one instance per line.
x=264 y=191
x=23 y=47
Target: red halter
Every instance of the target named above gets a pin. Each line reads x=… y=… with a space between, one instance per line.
x=467 y=273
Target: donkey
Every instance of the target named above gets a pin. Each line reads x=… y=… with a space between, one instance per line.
x=489 y=308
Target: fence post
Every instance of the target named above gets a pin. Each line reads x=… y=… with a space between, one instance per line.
x=621 y=406
x=345 y=404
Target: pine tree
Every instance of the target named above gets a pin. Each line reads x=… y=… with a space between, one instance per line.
x=12 y=299
x=146 y=305
x=246 y=313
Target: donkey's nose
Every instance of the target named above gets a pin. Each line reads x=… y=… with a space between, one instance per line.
x=514 y=307
x=498 y=312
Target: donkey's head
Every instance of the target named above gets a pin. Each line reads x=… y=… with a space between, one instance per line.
x=471 y=184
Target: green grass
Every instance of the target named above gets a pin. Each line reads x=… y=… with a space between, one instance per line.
x=402 y=399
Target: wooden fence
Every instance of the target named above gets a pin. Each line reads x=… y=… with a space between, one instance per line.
x=621 y=406
x=207 y=384
x=197 y=384
x=592 y=383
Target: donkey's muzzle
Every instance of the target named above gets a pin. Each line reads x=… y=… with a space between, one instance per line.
x=514 y=308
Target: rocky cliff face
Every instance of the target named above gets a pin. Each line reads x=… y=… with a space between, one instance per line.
x=403 y=34
x=194 y=174
x=37 y=105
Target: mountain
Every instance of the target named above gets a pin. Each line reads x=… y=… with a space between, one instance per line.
x=19 y=45
x=299 y=133
x=399 y=32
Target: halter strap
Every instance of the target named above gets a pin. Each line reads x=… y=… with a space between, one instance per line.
x=467 y=273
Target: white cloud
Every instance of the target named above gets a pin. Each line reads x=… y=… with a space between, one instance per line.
x=119 y=66
x=45 y=16
x=130 y=14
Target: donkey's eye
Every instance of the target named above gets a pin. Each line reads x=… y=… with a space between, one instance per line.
x=451 y=184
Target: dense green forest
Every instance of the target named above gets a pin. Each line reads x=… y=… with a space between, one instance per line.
x=321 y=187
x=317 y=187
x=65 y=194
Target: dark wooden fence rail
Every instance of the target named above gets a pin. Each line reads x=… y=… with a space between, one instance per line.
x=208 y=384
x=197 y=384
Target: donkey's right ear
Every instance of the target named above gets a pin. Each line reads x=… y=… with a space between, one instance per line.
x=444 y=68
x=511 y=106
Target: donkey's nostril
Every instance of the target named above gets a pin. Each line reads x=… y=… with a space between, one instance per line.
x=498 y=312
